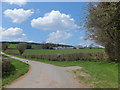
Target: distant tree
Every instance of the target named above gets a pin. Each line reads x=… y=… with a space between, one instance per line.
x=103 y=23
x=29 y=46
x=21 y=47
x=47 y=46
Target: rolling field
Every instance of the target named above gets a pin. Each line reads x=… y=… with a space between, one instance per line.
x=15 y=46
x=12 y=46
x=60 y=51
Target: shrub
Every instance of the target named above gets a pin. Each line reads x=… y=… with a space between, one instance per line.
x=96 y=56
x=6 y=65
x=21 y=47
x=29 y=46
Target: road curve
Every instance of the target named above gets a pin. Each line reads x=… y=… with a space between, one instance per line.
x=43 y=75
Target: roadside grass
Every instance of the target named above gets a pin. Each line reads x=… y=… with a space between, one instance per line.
x=18 y=69
x=102 y=74
x=60 y=51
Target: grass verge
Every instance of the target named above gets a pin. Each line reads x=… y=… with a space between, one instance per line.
x=18 y=69
x=102 y=74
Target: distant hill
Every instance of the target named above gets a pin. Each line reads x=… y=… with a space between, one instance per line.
x=38 y=45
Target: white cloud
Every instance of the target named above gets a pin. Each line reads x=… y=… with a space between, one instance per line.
x=82 y=38
x=16 y=2
x=54 y=21
x=18 y=15
x=89 y=44
x=84 y=44
x=12 y=34
x=58 y=36
x=62 y=43
x=31 y=41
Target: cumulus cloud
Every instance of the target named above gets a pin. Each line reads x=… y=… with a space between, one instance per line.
x=18 y=15
x=55 y=20
x=12 y=34
x=16 y=2
x=62 y=43
x=89 y=45
x=82 y=38
x=84 y=44
x=58 y=36
x=31 y=41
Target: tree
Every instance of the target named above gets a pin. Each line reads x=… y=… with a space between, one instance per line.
x=47 y=46
x=103 y=27
x=21 y=47
x=29 y=46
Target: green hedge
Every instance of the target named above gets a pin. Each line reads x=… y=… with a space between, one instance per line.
x=96 y=56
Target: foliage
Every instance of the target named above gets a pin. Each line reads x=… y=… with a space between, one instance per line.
x=29 y=46
x=103 y=27
x=17 y=69
x=6 y=65
x=47 y=46
x=96 y=56
x=21 y=47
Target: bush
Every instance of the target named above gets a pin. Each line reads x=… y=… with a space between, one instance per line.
x=21 y=47
x=6 y=65
x=29 y=46
x=96 y=56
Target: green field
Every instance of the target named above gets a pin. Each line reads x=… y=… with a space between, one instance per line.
x=15 y=46
x=12 y=46
x=60 y=51
x=18 y=69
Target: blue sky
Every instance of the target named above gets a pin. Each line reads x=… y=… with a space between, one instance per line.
x=74 y=13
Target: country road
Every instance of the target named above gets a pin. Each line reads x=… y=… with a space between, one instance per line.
x=43 y=75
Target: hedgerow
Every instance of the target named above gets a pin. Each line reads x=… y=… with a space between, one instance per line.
x=92 y=56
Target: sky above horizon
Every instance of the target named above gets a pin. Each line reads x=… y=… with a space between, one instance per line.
x=54 y=22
